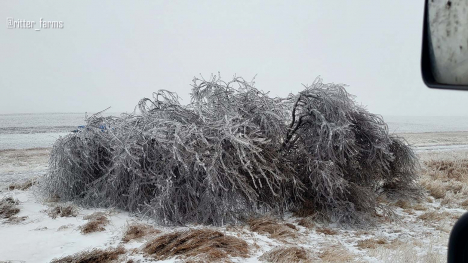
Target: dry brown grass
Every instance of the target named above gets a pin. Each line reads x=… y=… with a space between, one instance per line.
x=453 y=169
x=361 y=232
x=435 y=188
x=209 y=244
x=449 y=200
x=371 y=243
x=273 y=228
x=464 y=203
x=287 y=254
x=408 y=251
x=419 y=207
x=52 y=199
x=96 y=223
x=306 y=222
x=23 y=185
x=95 y=255
x=382 y=198
x=326 y=231
x=64 y=227
x=443 y=176
x=8 y=207
x=62 y=211
x=16 y=219
x=434 y=216
x=137 y=231
x=409 y=211
x=336 y=253
x=95 y=215
x=404 y=204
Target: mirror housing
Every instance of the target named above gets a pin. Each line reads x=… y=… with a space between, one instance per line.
x=444 y=58
x=458 y=241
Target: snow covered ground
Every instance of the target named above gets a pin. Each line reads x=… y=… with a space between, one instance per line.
x=438 y=141
x=419 y=232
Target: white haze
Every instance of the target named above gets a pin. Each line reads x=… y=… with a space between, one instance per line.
x=113 y=53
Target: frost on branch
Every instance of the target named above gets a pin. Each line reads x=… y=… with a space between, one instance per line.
x=232 y=153
x=345 y=155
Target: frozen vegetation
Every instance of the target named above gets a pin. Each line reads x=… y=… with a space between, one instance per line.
x=233 y=153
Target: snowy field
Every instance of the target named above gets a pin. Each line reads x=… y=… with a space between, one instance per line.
x=44 y=230
x=24 y=131
x=37 y=230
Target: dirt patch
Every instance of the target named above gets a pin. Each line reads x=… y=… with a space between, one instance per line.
x=137 y=231
x=210 y=244
x=287 y=254
x=8 y=207
x=95 y=255
x=273 y=228
x=96 y=223
x=62 y=211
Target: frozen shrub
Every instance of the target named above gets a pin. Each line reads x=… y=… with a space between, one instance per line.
x=214 y=161
x=232 y=153
x=77 y=161
x=344 y=154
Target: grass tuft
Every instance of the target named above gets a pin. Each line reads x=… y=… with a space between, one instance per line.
x=371 y=243
x=206 y=243
x=273 y=228
x=96 y=223
x=137 y=231
x=93 y=256
x=434 y=216
x=306 y=222
x=8 y=207
x=287 y=254
x=336 y=253
x=62 y=211
x=25 y=185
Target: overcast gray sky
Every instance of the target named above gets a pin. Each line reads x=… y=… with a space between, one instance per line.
x=112 y=53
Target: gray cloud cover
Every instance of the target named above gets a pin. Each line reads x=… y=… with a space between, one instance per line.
x=113 y=53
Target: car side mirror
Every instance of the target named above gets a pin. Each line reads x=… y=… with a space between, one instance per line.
x=444 y=60
x=458 y=242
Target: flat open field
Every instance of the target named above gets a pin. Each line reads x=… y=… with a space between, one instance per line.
x=37 y=230
x=439 y=141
